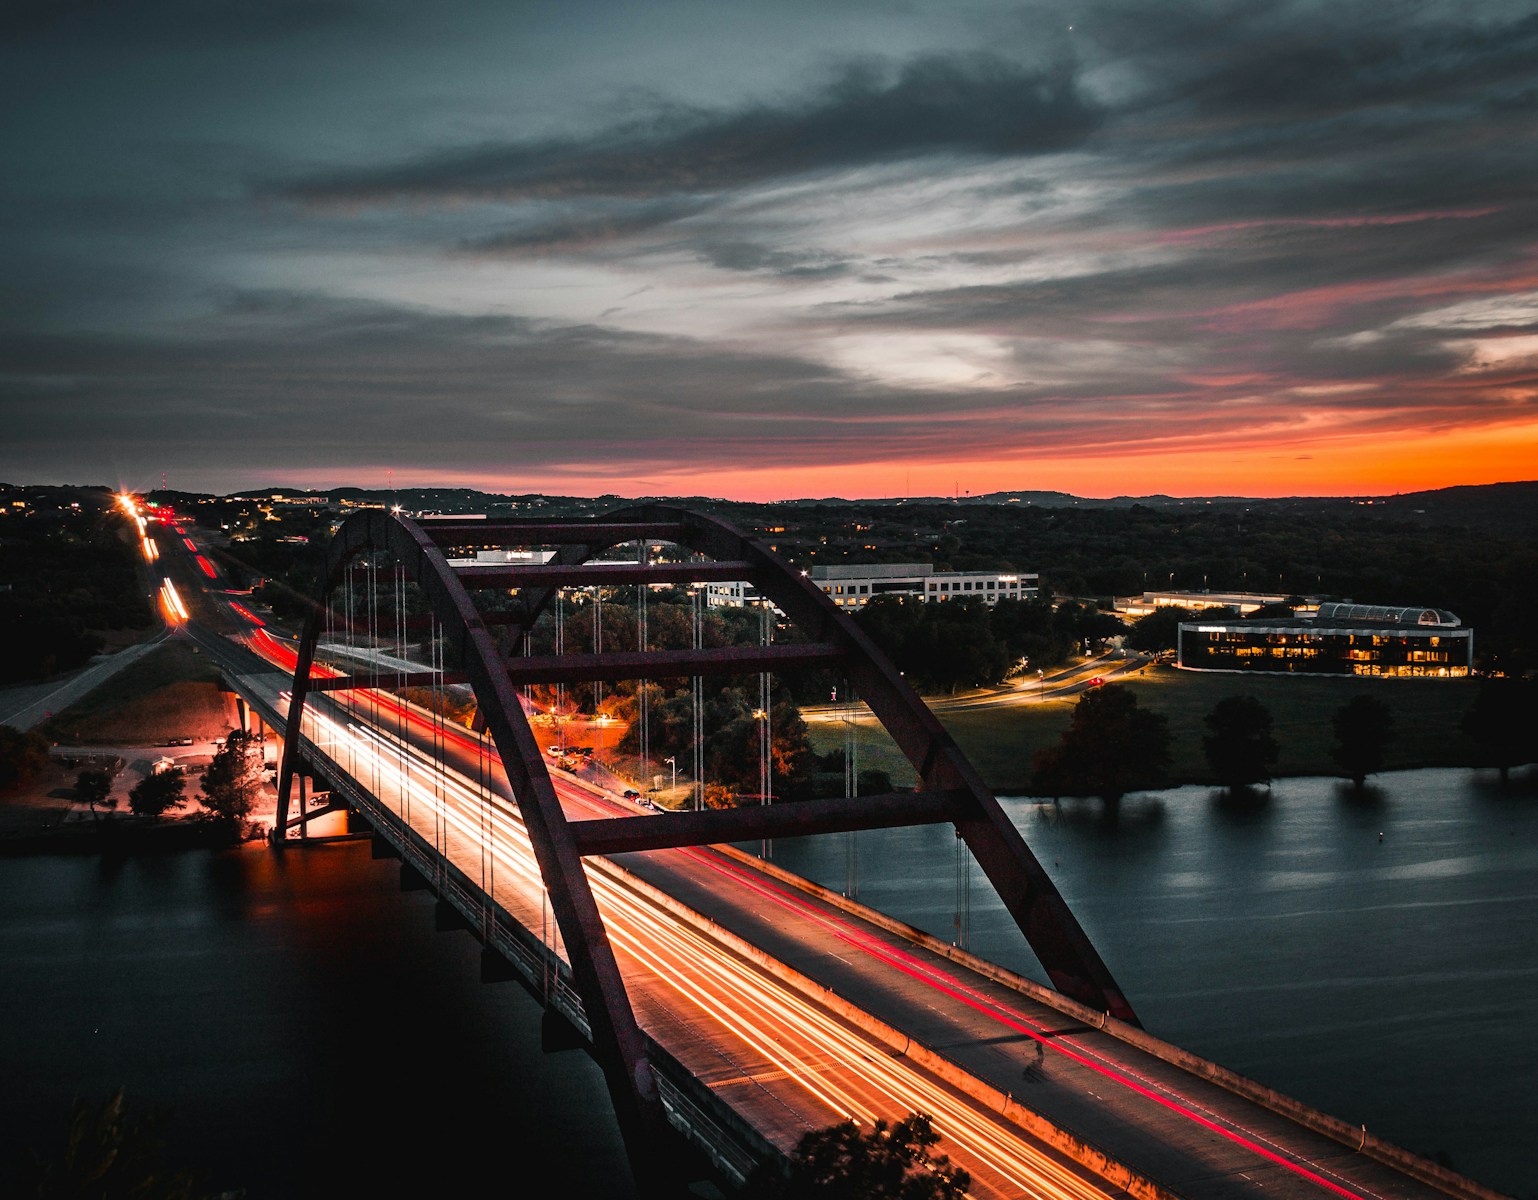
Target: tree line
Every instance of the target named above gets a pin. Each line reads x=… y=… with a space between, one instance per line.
x=230 y=787
x=1113 y=746
x=69 y=571
x=953 y=644
x=1486 y=572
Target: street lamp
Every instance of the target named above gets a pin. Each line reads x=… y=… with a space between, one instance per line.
x=1041 y=680
x=674 y=764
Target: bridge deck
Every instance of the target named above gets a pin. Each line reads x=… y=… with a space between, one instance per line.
x=1152 y=1114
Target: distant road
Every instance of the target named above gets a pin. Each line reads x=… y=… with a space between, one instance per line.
x=1026 y=689
x=33 y=705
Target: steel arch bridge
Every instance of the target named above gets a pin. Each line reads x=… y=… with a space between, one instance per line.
x=949 y=790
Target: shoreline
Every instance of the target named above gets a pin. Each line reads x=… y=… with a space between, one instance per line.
x=113 y=832
x=125 y=835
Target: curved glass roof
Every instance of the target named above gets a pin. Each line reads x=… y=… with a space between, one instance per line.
x=1384 y=615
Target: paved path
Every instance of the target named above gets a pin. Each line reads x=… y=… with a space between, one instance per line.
x=22 y=708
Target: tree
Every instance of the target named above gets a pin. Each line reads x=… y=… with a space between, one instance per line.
x=22 y=755
x=233 y=781
x=159 y=792
x=1363 y=729
x=939 y=646
x=1158 y=630
x=886 y=1163
x=94 y=786
x=1504 y=720
x=1111 y=747
x=1239 y=744
x=108 y=1154
x=1028 y=630
x=1285 y=610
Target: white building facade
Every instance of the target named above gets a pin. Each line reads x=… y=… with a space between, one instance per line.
x=854 y=586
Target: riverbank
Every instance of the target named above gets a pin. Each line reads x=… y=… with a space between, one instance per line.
x=121 y=835
x=1003 y=738
x=45 y=816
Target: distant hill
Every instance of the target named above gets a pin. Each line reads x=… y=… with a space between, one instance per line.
x=1506 y=508
x=1026 y=499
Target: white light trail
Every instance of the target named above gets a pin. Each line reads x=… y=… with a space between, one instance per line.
x=173 y=600
x=832 y=1063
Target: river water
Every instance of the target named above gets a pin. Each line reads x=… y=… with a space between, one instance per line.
x=311 y=1034
x=297 y=1015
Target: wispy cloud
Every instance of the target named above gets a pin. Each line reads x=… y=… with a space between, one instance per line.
x=870 y=113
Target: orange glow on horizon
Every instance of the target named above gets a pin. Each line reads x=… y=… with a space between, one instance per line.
x=1345 y=467
x=1355 y=464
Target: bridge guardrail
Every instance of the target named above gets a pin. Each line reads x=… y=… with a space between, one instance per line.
x=730 y=1143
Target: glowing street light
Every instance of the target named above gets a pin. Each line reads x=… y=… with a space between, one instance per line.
x=1041 y=680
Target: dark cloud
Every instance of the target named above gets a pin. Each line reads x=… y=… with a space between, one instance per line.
x=1296 y=108
x=303 y=378
x=788 y=264
x=1341 y=273
x=1292 y=60
x=592 y=228
x=975 y=104
x=26 y=17
x=306 y=381
x=182 y=22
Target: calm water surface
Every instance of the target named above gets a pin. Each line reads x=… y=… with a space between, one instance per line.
x=311 y=1034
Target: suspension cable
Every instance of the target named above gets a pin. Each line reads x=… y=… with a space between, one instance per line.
x=963 y=918
x=698 y=683
x=846 y=714
x=398 y=574
x=643 y=699
x=765 y=732
x=597 y=649
x=560 y=648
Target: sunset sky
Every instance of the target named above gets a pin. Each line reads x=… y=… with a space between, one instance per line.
x=767 y=250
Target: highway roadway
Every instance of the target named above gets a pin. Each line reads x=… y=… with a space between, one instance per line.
x=789 y=1063
x=1064 y=683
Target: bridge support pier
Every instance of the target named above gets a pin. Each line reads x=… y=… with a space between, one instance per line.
x=448 y=919
x=412 y=880
x=496 y=969
x=557 y=1034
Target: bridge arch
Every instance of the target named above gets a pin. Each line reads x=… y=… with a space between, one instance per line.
x=950 y=790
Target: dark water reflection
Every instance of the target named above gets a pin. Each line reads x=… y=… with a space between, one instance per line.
x=1388 y=982
x=310 y=1033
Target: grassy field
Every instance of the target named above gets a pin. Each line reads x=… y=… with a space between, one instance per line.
x=171 y=692
x=1002 y=741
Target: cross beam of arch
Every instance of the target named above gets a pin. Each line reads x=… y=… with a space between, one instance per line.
x=950 y=790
